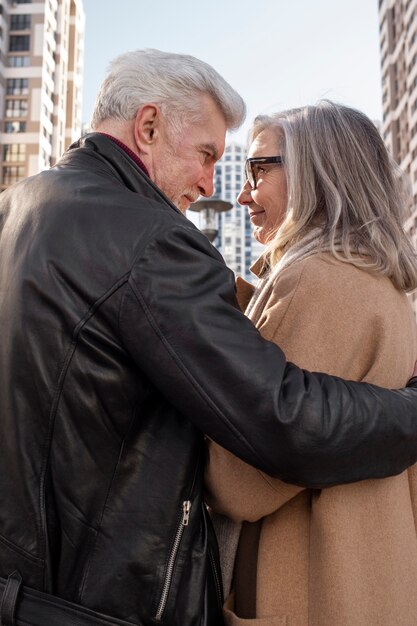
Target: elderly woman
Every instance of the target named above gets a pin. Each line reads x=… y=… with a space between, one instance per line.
x=325 y=197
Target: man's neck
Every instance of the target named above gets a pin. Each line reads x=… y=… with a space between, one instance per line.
x=128 y=151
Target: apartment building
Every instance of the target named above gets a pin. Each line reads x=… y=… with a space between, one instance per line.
x=41 y=72
x=398 y=44
x=234 y=239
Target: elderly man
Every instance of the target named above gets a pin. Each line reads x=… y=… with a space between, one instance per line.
x=122 y=344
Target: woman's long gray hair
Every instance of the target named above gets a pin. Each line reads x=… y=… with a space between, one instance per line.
x=342 y=180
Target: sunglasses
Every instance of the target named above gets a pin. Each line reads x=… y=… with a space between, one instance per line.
x=253 y=167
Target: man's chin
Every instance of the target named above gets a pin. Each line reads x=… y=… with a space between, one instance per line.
x=183 y=206
x=184 y=203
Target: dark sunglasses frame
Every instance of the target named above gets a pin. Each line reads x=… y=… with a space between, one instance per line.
x=252 y=162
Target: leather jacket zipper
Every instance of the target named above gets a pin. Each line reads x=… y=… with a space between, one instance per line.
x=216 y=580
x=185 y=518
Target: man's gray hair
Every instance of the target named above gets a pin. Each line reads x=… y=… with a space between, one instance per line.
x=175 y=82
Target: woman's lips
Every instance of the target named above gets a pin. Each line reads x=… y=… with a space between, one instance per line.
x=257 y=217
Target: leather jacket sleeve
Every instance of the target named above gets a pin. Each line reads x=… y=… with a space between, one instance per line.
x=180 y=322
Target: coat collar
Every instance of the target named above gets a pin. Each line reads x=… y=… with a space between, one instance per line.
x=260 y=266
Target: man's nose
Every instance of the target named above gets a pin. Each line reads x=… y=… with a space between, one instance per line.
x=206 y=185
x=245 y=194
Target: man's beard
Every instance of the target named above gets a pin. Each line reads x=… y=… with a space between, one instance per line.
x=166 y=178
x=167 y=171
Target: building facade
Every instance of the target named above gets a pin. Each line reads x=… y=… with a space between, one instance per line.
x=398 y=44
x=234 y=239
x=41 y=71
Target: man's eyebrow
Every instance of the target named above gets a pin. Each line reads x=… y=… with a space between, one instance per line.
x=212 y=149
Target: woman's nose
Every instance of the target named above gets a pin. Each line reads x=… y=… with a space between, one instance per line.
x=245 y=194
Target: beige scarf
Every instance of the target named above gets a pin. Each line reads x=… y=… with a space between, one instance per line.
x=311 y=244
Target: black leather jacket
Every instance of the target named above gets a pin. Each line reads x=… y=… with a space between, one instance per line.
x=121 y=343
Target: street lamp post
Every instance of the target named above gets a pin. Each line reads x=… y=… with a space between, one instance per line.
x=208 y=209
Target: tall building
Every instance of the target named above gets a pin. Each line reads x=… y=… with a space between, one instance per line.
x=398 y=43
x=41 y=71
x=234 y=239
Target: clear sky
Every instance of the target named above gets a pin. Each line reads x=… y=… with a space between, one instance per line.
x=276 y=53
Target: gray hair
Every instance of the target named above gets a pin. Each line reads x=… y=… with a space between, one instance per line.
x=341 y=178
x=175 y=82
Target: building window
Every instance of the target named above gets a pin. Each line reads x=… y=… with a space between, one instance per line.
x=47 y=135
x=20 y=22
x=48 y=115
x=19 y=43
x=16 y=108
x=17 y=86
x=15 y=127
x=19 y=61
x=12 y=174
x=14 y=152
x=46 y=158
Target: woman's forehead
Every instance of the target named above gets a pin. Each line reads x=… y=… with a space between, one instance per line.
x=265 y=144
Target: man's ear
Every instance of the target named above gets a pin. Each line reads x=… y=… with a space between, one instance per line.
x=147 y=127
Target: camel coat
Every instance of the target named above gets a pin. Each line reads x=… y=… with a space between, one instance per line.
x=345 y=555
